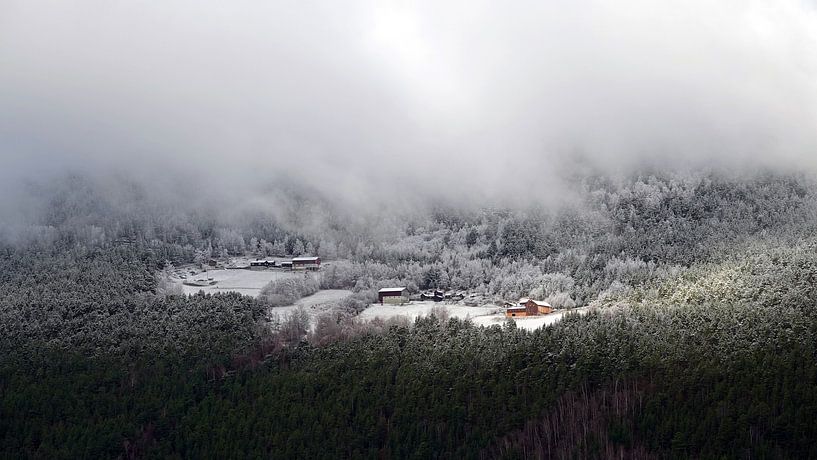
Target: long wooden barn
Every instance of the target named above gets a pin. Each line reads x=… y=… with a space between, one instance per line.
x=393 y=295
x=306 y=263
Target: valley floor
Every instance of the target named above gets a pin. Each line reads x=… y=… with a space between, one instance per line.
x=320 y=302
x=242 y=281
x=486 y=315
x=415 y=309
x=530 y=323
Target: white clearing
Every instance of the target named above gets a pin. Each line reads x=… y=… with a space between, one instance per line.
x=531 y=322
x=415 y=309
x=247 y=282
x=314 y=305
x=487 y=315
x=316 y=301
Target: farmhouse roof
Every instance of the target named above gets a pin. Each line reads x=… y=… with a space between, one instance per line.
x=392 y=289
x=540 y=303
x=304 y=259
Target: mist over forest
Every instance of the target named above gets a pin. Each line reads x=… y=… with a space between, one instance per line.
x=461 y=101
x=408 y=230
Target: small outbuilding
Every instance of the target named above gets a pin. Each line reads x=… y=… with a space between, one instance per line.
x=262 y=263
x=436 y=295
x=394 y=295
x=306 y=263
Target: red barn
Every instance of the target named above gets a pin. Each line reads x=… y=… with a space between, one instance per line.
x=516 y=310
x=540 y=307
x=529 y=307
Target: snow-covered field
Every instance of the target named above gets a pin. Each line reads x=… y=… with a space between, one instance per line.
x=314 y=305
x=250 y=282
x=481 y=316
x=317 y=302
x=415 y=309
x=247 y=282
x=529 y=323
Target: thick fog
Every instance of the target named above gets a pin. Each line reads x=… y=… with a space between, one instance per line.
x=381 y=101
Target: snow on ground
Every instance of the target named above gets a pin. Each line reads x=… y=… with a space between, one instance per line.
x=247 y=282
x=322 y=297
x=482 y=316
x=315 y=304
x=415 y=309
x=530 y=323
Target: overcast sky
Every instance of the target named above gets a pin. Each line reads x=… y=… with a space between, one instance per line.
x=389 y=99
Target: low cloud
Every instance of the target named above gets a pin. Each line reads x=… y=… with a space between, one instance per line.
x=387 y=101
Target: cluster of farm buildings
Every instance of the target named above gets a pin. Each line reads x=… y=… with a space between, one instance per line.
x=296 y=263
x=524 y=307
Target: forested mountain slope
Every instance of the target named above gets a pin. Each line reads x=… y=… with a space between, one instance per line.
x=703 y=344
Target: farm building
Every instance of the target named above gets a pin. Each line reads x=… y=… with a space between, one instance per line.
x=437 y=295
x=306 y=263
x=516 y=310
x=395 y=295
x=531 y=309
x=541 y=308
x=528 y=307
x=285 y=264
x=262 y=263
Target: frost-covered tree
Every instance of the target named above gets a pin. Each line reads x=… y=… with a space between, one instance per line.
x=328 y=250
x=278 y=248
x=298 y=248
